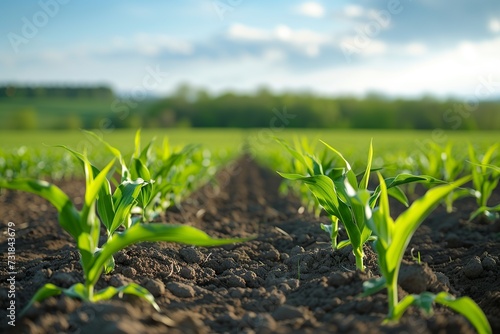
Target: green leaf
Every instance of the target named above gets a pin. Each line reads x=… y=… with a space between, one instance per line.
x=95 y=184
x=87 y=246
x=153 y=232
x=137 y=144
x=78 y=291
x=366 y=177
x=401 y=308
x=373 y=286
x=468 y=308
x=139 y=170
x=348 y=170
x=69 y=217
x=124 y=199
x=46 y=291
x=398 y=194
x=323 y=189
x=130 y=289
x=488 y=211
x=173 y=160
x=297 y=155
x=409 y=220
x=404 y=178
x=116 y=152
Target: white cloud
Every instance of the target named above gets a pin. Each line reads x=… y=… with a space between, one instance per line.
x=353 y=11
x=273 y=54
x=311 y=9
x=494 y=25
x=415 y=49
x=305 y=41
x=242 y=32
x=152 y=45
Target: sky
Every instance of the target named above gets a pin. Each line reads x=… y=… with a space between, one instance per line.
x=398 y=48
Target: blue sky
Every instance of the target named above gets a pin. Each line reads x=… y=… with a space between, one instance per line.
x=395 y=47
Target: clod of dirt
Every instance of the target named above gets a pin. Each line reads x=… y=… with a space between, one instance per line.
x=64 y=280
x=488 y=263
x=181 y=290
x=187 y=272
x=155 y=286
x=287 y=312
x=473 y=268
x=416 y=278
x=118 y=280
x=454 y=241
x=297 y=250
x=129 y=272
x=234 y=281
x=259 y=321
x=337 y=279
x=191 y=255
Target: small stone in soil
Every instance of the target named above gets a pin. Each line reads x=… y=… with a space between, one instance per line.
x=251 y=279
x=287 y=312
x=234 y=281
x=271 y=255
x=296 y=251
x=259 y=321
x=129 y=272
x=488 y=263
x=187 y=272
x=180 y=289
x=337 y=279
x=453 y=241
x=117 y=280
x=416 y=278
x=156 y=287
x=473 y=268
x=191 y=255
x=63 y=279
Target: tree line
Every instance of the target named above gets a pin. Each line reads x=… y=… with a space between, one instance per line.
x=189 y=107
x=56 y=91
x=196 y=108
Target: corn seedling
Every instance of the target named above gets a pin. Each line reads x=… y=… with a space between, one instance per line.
x=392 y=240
x=485 y=178
x=84 y=227
x=163 y=172
x=344 y=198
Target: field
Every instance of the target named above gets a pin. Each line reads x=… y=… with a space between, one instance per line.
x=283 y=277
x=391 y=140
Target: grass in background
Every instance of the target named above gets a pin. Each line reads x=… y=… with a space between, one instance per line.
x=349 y=141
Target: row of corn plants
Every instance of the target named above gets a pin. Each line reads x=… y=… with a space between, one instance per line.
x=126 y=207
x=365 y=214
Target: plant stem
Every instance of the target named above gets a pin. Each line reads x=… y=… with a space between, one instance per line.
x=335 y=231
x=90 y=292
x=392 y=297
x=359 y=255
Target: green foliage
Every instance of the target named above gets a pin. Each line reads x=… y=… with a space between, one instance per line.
x=343 y=197
x=114 y=211
x=485 y=178
x=198 y=108
x=393 y=237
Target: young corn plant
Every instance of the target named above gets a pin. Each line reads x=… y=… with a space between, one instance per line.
x=84 y=227
x=338 y=191
x=442 y=163
x=453 y=167
x=393 y=237
x=172 y=172
x=485 y=178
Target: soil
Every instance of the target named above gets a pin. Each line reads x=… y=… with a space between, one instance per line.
x=287 y=280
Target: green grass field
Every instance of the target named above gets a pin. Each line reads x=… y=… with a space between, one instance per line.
x=344 y=140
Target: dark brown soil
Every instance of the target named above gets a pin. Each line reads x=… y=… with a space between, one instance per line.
x=285 y=281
